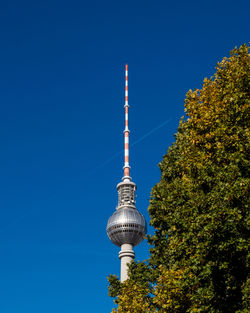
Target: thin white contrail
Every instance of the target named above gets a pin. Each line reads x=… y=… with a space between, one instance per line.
x=133 y=144
x=151 y=132
x=18 y=219
x=15 y=221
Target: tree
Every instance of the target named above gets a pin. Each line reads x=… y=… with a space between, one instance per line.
x=199 y=256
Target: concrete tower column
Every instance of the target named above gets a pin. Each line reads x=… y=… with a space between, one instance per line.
x=126 y=255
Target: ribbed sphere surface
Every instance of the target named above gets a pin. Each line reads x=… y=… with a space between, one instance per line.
x=126 y=225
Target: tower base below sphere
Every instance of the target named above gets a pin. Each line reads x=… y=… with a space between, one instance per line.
x=126 y=255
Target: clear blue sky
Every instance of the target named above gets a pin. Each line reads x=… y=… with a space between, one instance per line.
x=61 y=122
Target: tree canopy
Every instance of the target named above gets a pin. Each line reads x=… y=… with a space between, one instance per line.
x=199 y=258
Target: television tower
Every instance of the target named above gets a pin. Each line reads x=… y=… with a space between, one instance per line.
x=127 y=226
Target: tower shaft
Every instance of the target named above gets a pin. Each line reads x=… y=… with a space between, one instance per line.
x=126 y=255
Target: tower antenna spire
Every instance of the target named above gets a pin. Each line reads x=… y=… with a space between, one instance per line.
x=126 y=167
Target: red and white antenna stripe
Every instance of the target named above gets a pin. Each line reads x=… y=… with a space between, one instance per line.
x=126 y=130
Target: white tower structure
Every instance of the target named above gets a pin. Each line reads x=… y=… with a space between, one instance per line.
x=126 y=227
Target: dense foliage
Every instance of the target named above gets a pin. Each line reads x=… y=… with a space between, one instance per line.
x=199 y=209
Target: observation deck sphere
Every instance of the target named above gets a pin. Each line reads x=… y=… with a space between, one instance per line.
x=126 y=225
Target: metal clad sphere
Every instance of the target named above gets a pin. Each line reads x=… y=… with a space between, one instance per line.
x=126 y=225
